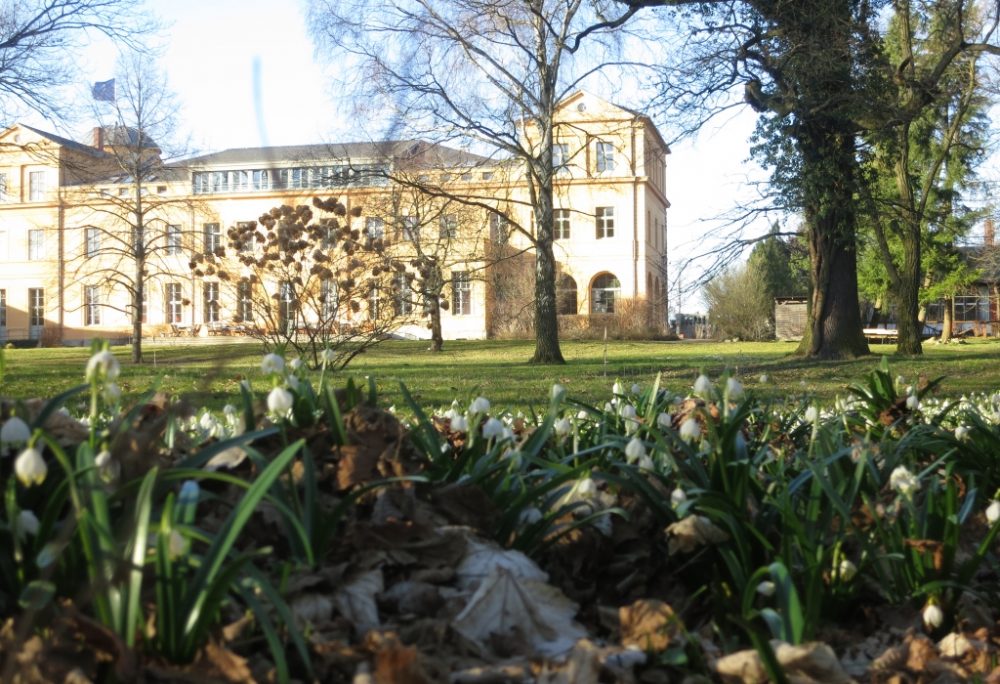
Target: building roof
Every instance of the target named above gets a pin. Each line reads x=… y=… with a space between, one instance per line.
x=66 y=142
x=416 y=152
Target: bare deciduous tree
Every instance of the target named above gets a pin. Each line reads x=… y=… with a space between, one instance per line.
x=490 y=73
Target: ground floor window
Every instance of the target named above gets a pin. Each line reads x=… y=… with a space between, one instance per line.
x=92 y=305
x=402 y=295
x=36 y=306
x=605 y=290
x=210 y=294
x=175 y=303
x=244 y=301
x=461 y=293
x=566 y=303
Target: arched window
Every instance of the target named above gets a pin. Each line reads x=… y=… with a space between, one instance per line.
x=566 y=296
x=603 y=293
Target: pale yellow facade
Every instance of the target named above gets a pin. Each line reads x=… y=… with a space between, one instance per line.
x=64 y=262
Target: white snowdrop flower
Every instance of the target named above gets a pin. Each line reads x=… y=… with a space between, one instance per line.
x=663 y=420
x=229 y=411
x=279 y=400
x=629 y=412
x=690 y=430
x=703 y=386
x=904 y=482
x=27 y=523
x=634 y=450
x=102 y=365
x=763 y=378
x=678 y=497
x=176 y=545
x=492 y=429
x=227 y=458
x=295 y=364
x=608 y=407
x=329 y=356
x=562 y=427
x=993 y=512
x=582 y=415
x=507 y=433
x=112 y=393
x=962 y=433
x=617 y=388
x=14 y=432
x=515 y=457
x=812 y=414
x=734 y=389
x=479 y=405
x=460 y=424
x=529 y=516
x=209 y=424
x=636 y=388
x=272 y=363
x=766 y=588
x=108 y=467
x=646 y=462
x=933 y=616
x=900 y=381
x=586 y=487
x=558 y=391
x=913 y=402
x=292 y=382
x=30 y=467
x=847 y=570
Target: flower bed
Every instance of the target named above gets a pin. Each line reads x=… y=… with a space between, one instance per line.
x=307 y=533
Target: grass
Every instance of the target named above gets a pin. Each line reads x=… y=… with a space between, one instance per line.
x=498 y=370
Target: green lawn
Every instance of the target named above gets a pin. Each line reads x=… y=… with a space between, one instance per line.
x=498 y=370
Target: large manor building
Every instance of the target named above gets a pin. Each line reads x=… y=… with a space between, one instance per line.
x=69 y=211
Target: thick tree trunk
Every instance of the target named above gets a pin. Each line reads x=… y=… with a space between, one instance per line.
x=907 y=298
x=546 y=318
x=835 y=329
x=947 y=319
x=437 y=340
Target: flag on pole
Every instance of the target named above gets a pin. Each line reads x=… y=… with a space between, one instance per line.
x=104 y=91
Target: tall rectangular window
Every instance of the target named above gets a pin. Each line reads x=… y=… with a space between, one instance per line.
x=605 y=156
x=210 y=298
x=173 y=239
x=375 y=227
x=261 y=179
x=246 y=232
x=174 y=299
x=36 y=244
x=499 y=228
x=605 y=222
x=213 y=237
x=448 y=227
x=402 y=295
x=461 y=293
x=560 y=157
x=286 y=307
x=3 y=308
x=92 y=239
x=244 y=300
x=240 y=180
x=36 y=306
x=4 y=197
x=329 y=299
x=92 y=305
x=560 y=224
x=408 y=229
x=36 y=186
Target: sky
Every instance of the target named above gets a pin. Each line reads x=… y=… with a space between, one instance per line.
x=220 y=54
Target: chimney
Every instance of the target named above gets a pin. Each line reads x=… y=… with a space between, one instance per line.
x=99 y=137
x=989 y=232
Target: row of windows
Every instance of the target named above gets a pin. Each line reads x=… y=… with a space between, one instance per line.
x=604 y=157
x=36 y=187
x=257 y=180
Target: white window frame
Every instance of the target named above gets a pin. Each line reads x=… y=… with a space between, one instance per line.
x=604 y=156
x=172 y=238
x=36 y=307
x=36 y=186
x=560 y=158
x=211 y=308
x=448 y=226
x=560 y=224
x=92 y=305
x=36 y=244
x=605 y=222
x=212 y=234
x=173 y=297
x=461 y=293
x=91 y=241
x=244 y=300
x=375 y=227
